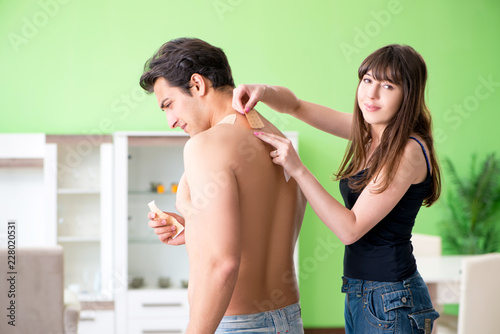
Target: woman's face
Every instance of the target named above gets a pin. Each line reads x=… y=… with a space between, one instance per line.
x=379 y=101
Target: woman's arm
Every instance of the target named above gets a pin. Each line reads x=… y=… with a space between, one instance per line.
x=370 y=208
x=283 y=100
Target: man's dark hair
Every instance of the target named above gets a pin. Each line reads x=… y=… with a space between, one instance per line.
x=178 y=59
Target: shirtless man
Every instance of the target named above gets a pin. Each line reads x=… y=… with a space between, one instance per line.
x=241 y=217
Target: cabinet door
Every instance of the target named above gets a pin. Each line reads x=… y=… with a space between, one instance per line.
x=155 y=326
x=23 y=196
x=96 y=322
x=159 y=304
x=83 y=176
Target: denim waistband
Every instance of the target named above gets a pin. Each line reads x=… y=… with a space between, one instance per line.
x=358 y=285
x=279 y=317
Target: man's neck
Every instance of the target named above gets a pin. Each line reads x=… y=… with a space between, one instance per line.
x=220 y=106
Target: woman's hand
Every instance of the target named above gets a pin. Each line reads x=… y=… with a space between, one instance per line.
x=166 y=232
x=245 y=97
x=284 y=155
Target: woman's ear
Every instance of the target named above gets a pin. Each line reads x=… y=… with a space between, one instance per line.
x=198 y=84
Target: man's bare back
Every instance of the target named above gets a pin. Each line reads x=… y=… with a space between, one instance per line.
x=254 y=223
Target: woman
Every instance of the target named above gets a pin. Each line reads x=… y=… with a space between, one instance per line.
x=389 y=170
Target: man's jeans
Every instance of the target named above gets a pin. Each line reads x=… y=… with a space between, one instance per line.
x=280 y=321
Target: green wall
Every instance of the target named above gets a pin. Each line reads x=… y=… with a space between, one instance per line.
x=72 y=67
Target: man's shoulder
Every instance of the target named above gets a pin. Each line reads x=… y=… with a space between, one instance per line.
x=220 y=142
x=218 y=138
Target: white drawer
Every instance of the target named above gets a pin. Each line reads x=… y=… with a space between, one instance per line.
x=158 y=303
x=173 y=326
x=96 y=322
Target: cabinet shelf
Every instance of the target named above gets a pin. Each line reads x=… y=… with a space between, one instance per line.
x=155 y=289
x=150 y=193
x=94 y=297
x=78 y=239
x=77 y=191
x=16 y=163
x=144 y=241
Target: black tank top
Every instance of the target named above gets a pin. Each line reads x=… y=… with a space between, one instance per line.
x=385 y=253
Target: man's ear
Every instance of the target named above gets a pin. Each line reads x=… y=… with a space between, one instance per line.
x=198 y=84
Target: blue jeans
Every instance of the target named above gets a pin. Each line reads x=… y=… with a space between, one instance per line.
x=388 y=307
x=283 y=320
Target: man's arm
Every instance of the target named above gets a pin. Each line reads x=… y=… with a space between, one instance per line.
x=214 y=231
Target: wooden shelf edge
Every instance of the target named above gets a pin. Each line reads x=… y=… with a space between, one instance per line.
x=97 y=305
x=157 y=141
x=67 y=239
x=15 y=163
x=75 y=139
x=76 y=191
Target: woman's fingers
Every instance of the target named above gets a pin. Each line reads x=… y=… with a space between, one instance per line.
x=284 y=153
x=246 y=97
x=240 y=97
x=281 y=144
x=253 y=98
x=272 y=139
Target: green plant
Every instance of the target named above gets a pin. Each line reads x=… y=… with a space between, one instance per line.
x=474 y=209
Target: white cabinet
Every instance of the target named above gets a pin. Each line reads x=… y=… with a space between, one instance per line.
x=82 y=172
x=24 y=194
x=96 y=322
x=157 y=311
x=142 y=161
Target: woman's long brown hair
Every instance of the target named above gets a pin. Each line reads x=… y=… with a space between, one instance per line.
x=403 y=66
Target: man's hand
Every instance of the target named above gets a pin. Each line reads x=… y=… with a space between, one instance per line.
x=166 y=232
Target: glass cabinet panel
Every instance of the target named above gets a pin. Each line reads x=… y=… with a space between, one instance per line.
x=154 y=171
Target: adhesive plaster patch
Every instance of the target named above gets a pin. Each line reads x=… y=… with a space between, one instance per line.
x=254 y=119
x=230 y=119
